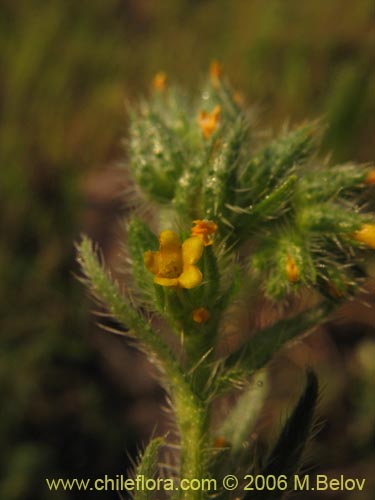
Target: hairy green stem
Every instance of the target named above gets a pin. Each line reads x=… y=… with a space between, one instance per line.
x=190 y=415
x=192 y=425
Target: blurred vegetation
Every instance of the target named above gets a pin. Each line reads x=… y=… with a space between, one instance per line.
x=66 y=69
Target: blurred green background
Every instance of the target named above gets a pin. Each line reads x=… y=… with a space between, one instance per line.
x=76 y=403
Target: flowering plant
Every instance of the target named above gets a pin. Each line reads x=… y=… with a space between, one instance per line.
x=233 y=213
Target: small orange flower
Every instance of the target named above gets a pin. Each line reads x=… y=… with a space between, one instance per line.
x=173 y=264
x=366 y=235
x=209 y=121
x=292 y=271
x=238 y=98
x=370 y=179
x=159 y=81
x=200 y=315
x=204 y=229
x=221 y=442
x=215 y=73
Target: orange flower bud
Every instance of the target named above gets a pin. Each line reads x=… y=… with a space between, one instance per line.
x=205 y=229
x=159 y=81
x=209 y=121
x=215 y=73
x=292 y=271
x=200 y=315
x=238 y=98
x=366 y=235
x=221 y=442
x=370 y=179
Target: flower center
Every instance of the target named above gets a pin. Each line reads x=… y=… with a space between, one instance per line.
x=170 y=265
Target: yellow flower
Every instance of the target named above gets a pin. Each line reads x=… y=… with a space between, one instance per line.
x=200 y=315
x=215 y=73
x=291 y=269
x=366 y=235
x=173 y=264
x=370 y=179
x=159 y=81
x=209 y=121
x=204 y=229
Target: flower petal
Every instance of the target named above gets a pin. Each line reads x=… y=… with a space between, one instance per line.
x=190 y=277
x=166 y=281
x=192 y=250
x=169 y=241
x=366 y=235
x=151 y=261
x=205 y=229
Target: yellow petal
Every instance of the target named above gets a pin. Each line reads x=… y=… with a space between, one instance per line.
x=169 y=241
x=366 y=235
x=192 y=250
x=166 y=281
x=151 y=261
x=190 y=277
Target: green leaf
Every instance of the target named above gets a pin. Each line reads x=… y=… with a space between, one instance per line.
x=187 y=190
x=211 y=275
x=286 y=456
x=260 y=348
x=284 y=261
x=147 y=467
x=220 y=178
x=275 y=161
x=107 y=292
x=248 y=220
x=243 y=416
x=140 y=240
x=329 y=219
x=157 y=157
x=321 y=184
